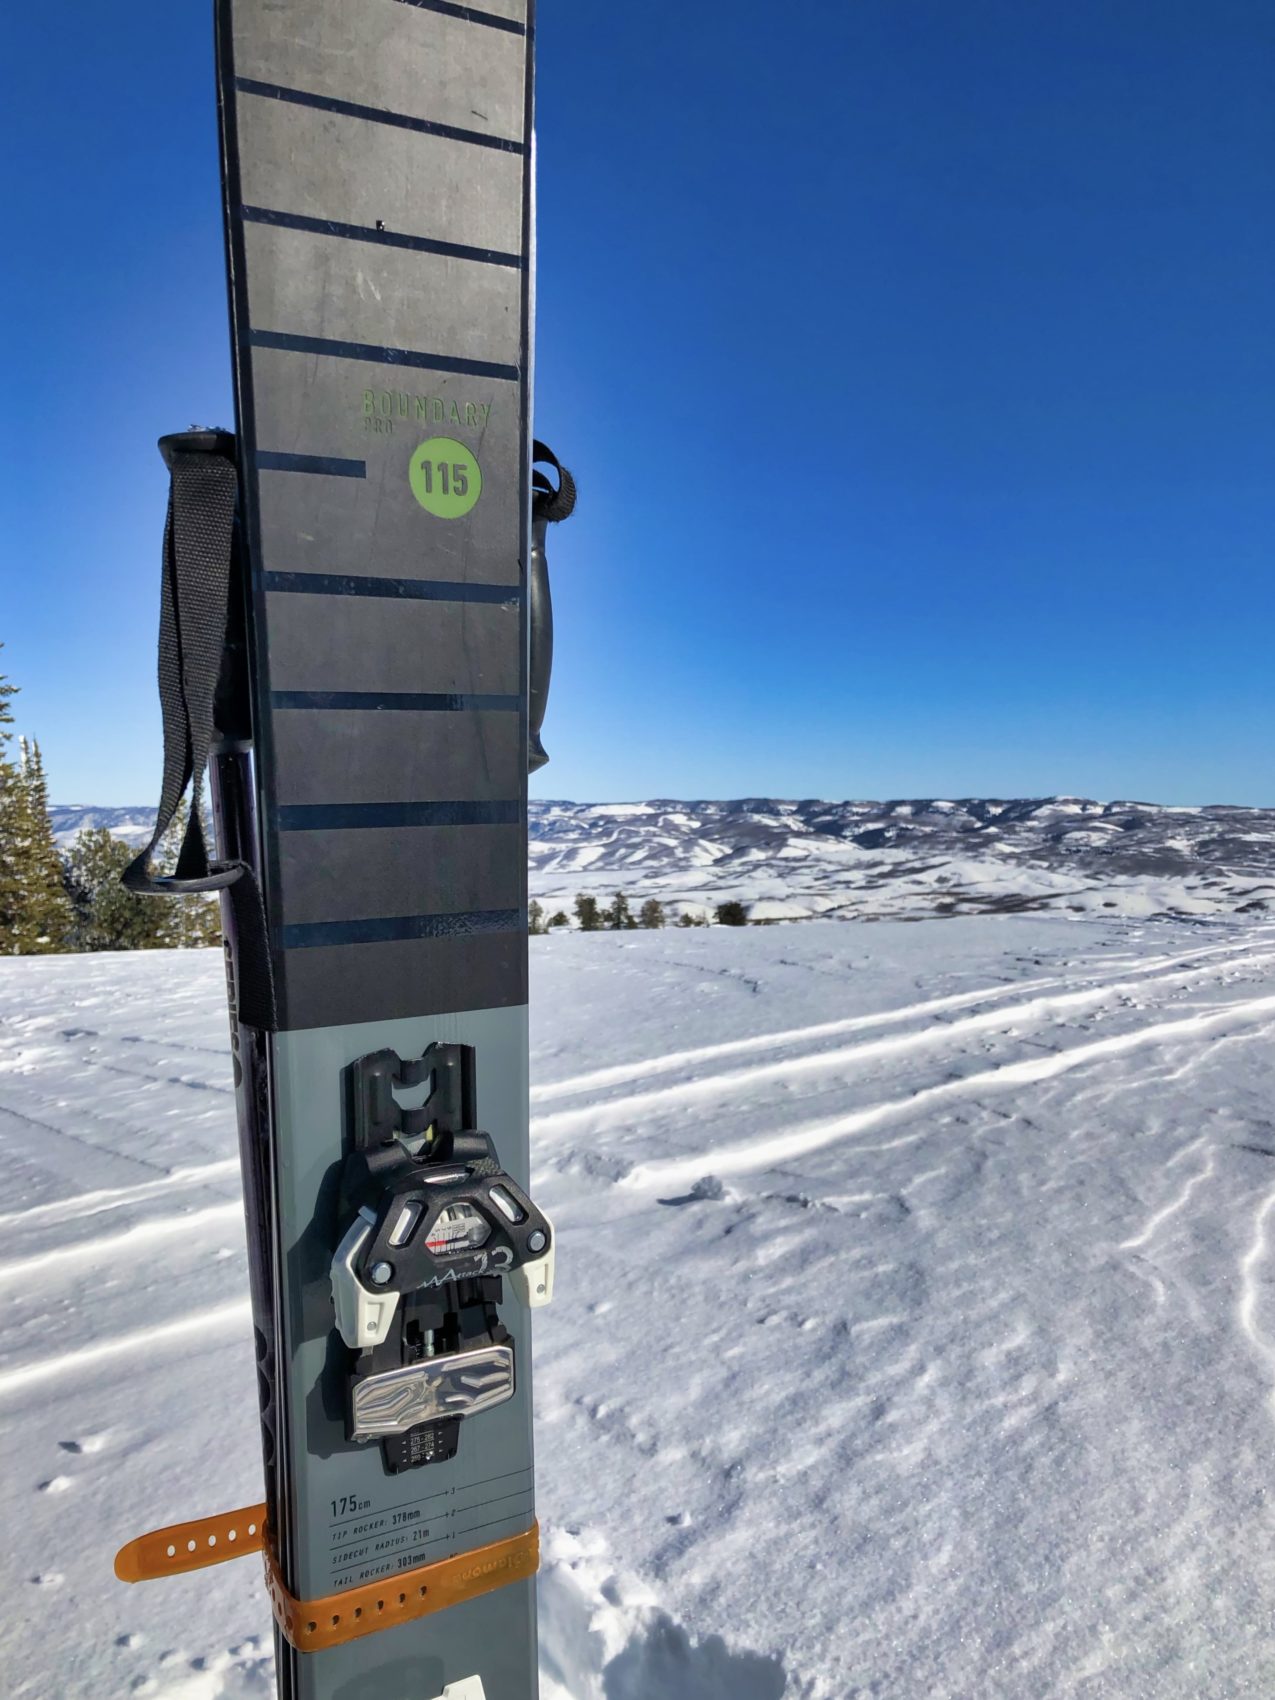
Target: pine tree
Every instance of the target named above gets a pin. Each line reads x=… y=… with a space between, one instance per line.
x=559 y=920
x=10 y=825
x=535 y=917
x=7 y=690
x=45 y=919
x=588 y=914
x=185 y=923
x=107 y=917
x=618 y=916
x=651 y=913
x=732 y=914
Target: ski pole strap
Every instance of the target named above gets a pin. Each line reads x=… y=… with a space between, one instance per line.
x=550 y=501
x=199 y=540
x=313 y=1625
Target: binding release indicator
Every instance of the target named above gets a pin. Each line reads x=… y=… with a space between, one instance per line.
x=446 y=479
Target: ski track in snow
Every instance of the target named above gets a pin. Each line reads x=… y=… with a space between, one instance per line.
x=63 y=1210
x=771 y=1149
x=195 y=1326
x=124 y=1244
x=622 y=1074
x=1000 y=1017
x=912 y=1430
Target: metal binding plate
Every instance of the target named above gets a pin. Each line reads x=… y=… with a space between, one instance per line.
x=456 y=1384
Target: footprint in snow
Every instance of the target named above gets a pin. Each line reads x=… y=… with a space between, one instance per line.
x=595 y=1622
x=90 y=1443
x=56 y=1484
x=706 y=1188
x=48 y=1579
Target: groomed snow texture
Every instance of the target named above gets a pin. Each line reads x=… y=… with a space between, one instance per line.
x=914 y=1334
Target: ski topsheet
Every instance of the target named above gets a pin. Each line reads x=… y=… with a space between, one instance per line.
x=377 y=171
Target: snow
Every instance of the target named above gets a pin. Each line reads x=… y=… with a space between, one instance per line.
x=914 y=1333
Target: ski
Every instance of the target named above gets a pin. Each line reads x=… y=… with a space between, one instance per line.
x=355 y=639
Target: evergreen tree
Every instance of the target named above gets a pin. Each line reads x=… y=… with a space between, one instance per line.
x=107 y=917
x=652 y=913
x=535 y=917
x=588 y=914
x=185 y=923
x=618 y=916
x=196 y=921
x=686 y=919
x=7 y=690
x=34 y=915
x=10 y=824
x=732 y=915
x=44 y=915
x=559 y=920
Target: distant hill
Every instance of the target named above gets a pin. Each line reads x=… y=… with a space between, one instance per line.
x=867 y=860
x=71 y=819
x=910 y=857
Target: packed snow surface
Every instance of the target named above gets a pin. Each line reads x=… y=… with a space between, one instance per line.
x=914 y=1333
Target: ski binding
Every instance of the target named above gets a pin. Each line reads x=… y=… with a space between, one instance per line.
x=434 y=1226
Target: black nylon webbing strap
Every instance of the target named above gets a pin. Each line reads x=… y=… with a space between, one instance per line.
x=199 y=535
x=548 y=502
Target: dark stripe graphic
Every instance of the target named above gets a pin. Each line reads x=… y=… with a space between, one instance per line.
x=336 y=817
x=427 y=702
x=387 y=238
x=470 y=14
x=410 y=589
x=377 y=115
x=306 y=935
x=269 y=461
x=381 y=356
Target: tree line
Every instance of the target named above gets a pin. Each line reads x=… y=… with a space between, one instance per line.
x=50 y=901
x=618 y=916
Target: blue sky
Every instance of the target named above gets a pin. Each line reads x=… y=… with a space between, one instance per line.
x=916 y=358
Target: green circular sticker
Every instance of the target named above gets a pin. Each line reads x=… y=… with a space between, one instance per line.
x=446 y=479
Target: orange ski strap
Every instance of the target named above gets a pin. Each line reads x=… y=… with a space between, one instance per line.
x=312 y=1625
x=191 y=1546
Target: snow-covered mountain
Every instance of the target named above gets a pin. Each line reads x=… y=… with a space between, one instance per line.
x=71 y=819
x=871 y=860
